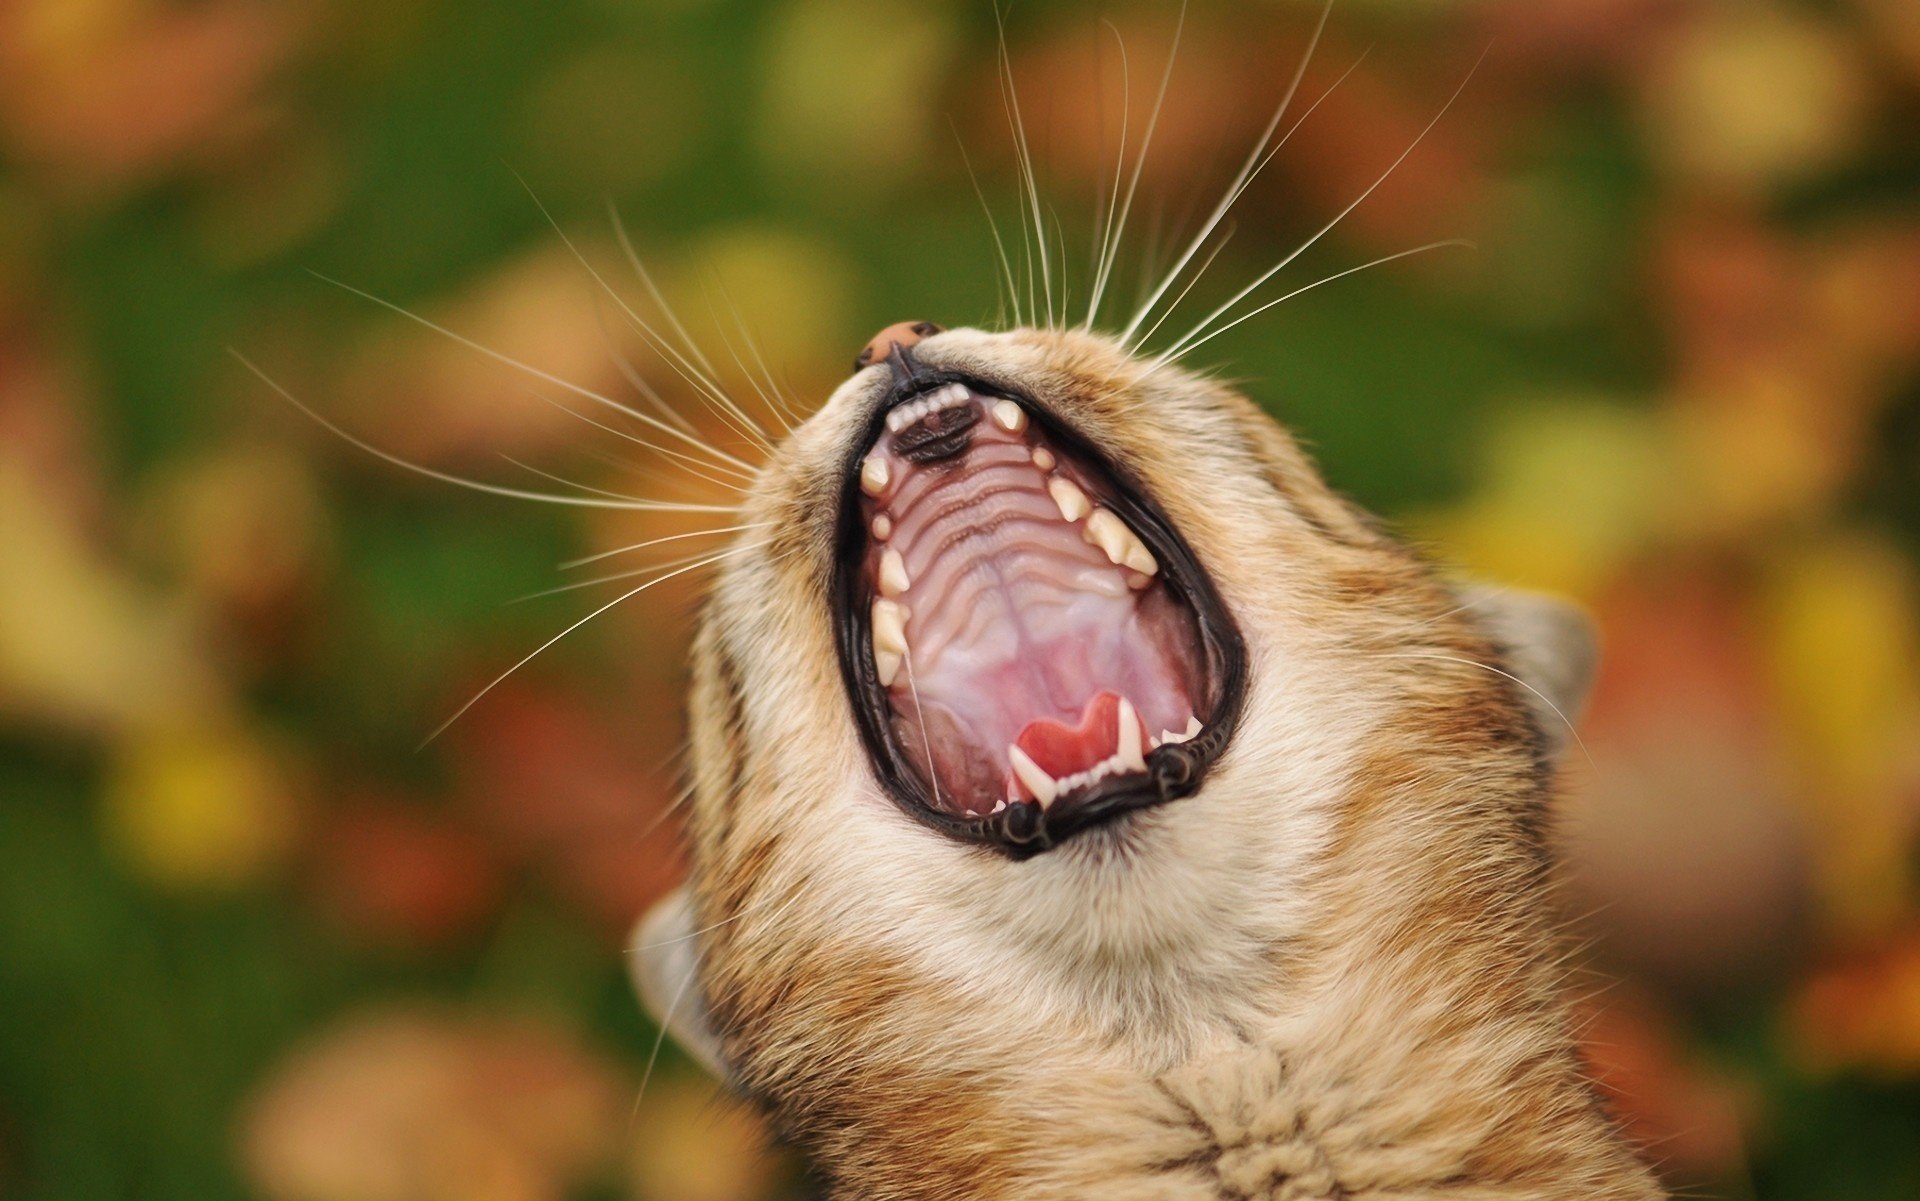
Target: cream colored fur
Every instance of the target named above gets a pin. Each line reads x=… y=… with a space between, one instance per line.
x=1331 y=973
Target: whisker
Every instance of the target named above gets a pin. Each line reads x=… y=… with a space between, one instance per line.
x=1247 y=171
x=633 y=377
x=1117 y=231
x=1544 y=699
x=565 y=482
x=766 y=398
x=1188 y=342
x=535 y=372
x=648 y=506
x=1010 y=98
x=615 y=578
x=627 y=595
x=696 y=371
x=583 y=560
x=993 y=226
x=925 y=739
x=1268 y=274
x=699 y=468
x=1266 y=158
x=1193 y=281
x=785 y=410
x=653 y=1057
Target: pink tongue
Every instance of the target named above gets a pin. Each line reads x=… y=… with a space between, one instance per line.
x=1062 y=750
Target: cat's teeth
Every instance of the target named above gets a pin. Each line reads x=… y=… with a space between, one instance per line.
x=1009 y=416
x=1043 y=458
x=1033 y=776
x=1068 y=498
x=1193 y=727
x=1127 y=753
x=893 y=573
x=1122 y=546
x=889 y=639
x=874 y=473
x=882 y=527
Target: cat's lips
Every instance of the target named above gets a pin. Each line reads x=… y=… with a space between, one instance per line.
x=1030 y=648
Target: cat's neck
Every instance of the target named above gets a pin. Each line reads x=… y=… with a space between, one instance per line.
x=1416 y=1043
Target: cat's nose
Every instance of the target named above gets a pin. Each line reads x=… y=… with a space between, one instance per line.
x=901 y=333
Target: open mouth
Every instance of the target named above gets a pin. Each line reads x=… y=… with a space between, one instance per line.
x=1030 y=648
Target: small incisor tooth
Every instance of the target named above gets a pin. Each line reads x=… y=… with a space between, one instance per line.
x=1043 y=458
x=1009 y=416
x=1122 y=546
x=1031 y=774
x=873 y=475
x=893 y=573
x=1068 y=498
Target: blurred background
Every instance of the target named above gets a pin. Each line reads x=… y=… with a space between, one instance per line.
x=257 y=941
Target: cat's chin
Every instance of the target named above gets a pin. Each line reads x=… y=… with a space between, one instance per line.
x=1030 y=648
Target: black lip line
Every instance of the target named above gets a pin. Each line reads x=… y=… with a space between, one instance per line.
x=1023 y=829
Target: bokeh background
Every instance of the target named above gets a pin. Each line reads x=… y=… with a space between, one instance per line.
x=256 y=941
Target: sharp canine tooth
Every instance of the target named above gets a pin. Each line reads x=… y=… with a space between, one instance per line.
x=1072 y=502
x=1193 y=725
x=1031 y=774
x=1043 y=458
x=874 y=473
x=887 y=665
x=1009 y=416
x=889 y=627
x=1127 y=749
x=893 y=573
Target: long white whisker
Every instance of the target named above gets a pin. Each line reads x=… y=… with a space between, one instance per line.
x=648 y=506
x=1117 y=233
x=637 y=381
x=1247 y=171
x=627 y=595
x=535 y=372
x=574 y=484
x=926 y=740
x=1189 y=342
x=1193 y=281
x=1274 y=270
x=993 y=226
x=767 y=398
x=696 y=371
x=584 y=560
x=577 y=585
x=653 y=289
x=653 y=1057
x=699 y=468
x=692 y=365
x=1030 y=183
x=1544 y=698
x=1200 y=273
x=785 y=410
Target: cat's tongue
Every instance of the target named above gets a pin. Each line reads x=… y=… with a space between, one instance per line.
x=1110 y=739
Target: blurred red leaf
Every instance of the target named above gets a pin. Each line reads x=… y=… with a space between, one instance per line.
x=393 y=873
x=1862 y=1011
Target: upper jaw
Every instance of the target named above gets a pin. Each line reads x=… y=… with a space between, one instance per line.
x=1167 y=768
